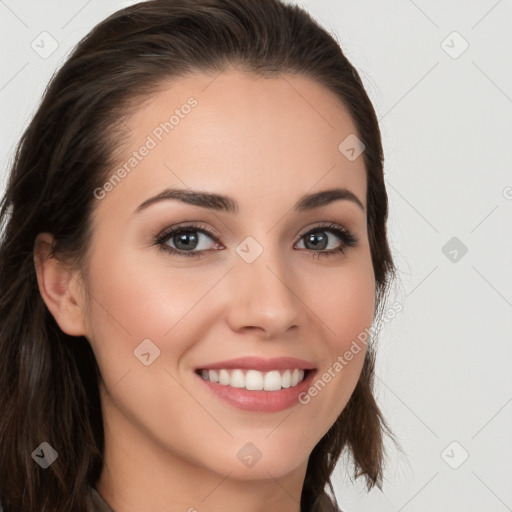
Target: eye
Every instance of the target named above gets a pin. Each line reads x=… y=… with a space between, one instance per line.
x=185 y=240
x=192 y=240
x=319 y=239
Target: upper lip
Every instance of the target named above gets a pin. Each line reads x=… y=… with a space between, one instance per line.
x=260 y=364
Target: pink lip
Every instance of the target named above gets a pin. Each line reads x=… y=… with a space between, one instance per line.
x=260 y=401
x=260 y=364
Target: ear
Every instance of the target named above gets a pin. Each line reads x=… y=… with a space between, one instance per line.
x=59 y=287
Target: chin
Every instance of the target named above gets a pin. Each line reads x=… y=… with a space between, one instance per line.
x=248 y=464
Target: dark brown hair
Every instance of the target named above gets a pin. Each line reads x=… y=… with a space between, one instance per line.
x=49 y=380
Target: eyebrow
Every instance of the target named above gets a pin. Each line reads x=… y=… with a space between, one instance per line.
x=224 y=203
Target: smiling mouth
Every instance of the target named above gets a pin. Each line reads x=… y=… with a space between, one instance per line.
x=254 y=380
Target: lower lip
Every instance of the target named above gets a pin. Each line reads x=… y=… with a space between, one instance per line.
x=260 y=401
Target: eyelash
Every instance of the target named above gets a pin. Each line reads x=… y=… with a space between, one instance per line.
x=347 y=237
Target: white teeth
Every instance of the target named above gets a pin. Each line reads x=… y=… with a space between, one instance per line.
x=272 y=381
x=237 y=379
x=224 y=377
x=255 y=380
x=286 y=379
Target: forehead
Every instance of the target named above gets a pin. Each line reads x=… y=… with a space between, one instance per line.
x=240 y=134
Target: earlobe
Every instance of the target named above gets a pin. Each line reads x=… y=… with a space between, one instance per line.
x=59 y=287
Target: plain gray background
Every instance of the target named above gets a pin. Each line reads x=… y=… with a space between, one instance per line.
x=440 y=78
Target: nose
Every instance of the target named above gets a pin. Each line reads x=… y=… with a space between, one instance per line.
x=263 y=298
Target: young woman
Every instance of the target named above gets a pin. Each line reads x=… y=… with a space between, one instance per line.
x=194 y=251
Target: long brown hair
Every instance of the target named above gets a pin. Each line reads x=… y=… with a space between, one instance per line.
x=49 y=380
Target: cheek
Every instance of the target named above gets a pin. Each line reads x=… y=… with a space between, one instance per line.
x=143 y=300
x=346 y=302
x=133 y=301
x=346 y=309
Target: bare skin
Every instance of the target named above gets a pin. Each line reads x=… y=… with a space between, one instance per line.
x=171 y=444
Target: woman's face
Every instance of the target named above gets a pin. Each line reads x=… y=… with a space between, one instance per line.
x=248 y=282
